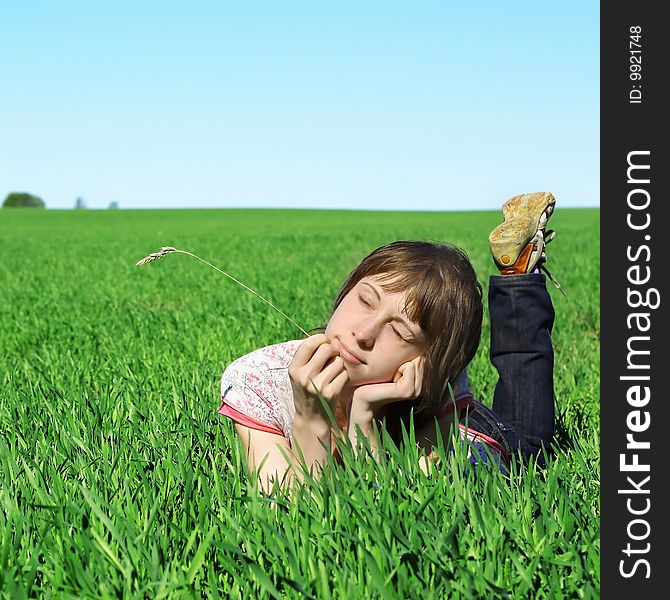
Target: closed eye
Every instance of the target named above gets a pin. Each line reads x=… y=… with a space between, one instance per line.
x=365 y=302
x=398 y=335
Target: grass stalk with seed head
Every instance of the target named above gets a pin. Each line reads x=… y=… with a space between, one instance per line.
x=165 y=250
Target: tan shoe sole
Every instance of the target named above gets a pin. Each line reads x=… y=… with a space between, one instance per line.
x=520 y=236
x=530 y=205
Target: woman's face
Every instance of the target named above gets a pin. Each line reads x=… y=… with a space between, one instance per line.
x=372 y=334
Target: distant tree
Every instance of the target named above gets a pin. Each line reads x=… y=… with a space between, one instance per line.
x=79 y=203
x=22 y=199
x=113 y=205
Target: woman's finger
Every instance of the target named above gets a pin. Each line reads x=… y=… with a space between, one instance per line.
x=410 y=380
x=418 y=375
x=307 y=349
x=334 y=387
x=323 y=353
x=329 y=372
x=406 y=382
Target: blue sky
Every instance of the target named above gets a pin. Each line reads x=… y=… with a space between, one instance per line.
x=376 y=105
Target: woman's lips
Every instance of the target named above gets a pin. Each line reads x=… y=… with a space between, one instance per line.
x=348 y=355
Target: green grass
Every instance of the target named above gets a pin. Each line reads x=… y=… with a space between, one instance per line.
x=118 y=478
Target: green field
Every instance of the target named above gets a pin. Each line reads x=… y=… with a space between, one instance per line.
x=120 y=480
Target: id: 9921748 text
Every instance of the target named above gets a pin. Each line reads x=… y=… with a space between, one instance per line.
x=635 y=64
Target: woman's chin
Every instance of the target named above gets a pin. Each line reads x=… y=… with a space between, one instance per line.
x=358 y=381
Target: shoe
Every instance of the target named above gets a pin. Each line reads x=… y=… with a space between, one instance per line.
x=518 y=244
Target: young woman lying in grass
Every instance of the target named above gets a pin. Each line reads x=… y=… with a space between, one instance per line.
x=404 y=326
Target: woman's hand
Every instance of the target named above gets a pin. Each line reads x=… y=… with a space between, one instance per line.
x=369 y=399
x=406 y=385
x=316 y=366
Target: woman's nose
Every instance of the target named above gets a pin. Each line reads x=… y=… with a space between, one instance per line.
x=365 y=332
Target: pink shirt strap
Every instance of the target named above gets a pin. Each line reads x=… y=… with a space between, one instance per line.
x=242 y=419
x=478 y=435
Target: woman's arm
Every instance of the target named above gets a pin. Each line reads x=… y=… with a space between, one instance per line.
x=426 y=435
x=273 y=457
x=264 y=453
x=361 y=418
x=369 y=400
x=315 y=369
x=427 y=439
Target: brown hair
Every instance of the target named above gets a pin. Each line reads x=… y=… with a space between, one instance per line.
x=443 y=297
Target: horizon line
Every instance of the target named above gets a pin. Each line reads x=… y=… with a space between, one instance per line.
x=317 y=208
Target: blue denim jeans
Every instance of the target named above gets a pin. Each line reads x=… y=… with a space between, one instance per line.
x=522 y=317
